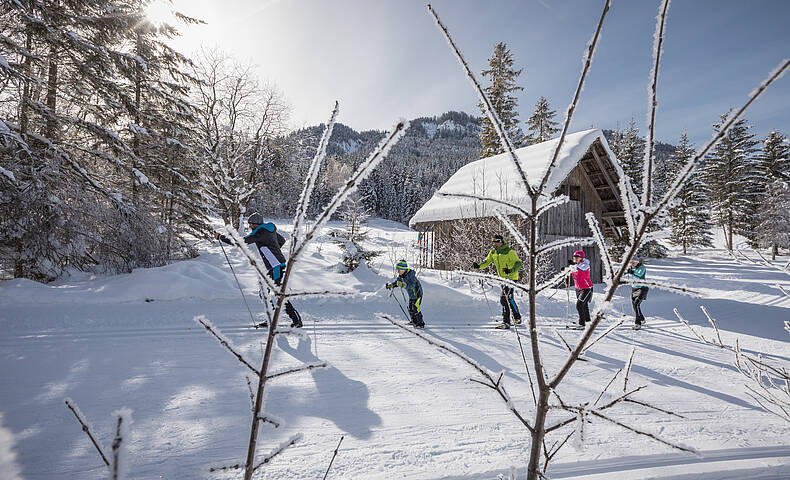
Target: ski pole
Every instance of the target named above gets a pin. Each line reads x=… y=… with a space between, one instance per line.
x=400 y=306
x=568 y=303
x=483 y=289
x=238 y=284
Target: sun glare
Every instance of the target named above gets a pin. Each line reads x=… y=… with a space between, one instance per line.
x=159 y=12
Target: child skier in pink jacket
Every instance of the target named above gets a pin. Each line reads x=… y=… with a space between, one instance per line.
x=584 y=287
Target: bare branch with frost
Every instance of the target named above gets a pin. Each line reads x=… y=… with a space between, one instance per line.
x=86 y=428
x=224 y=341
x=486 y=104
x=490 y=382
x=587 y=62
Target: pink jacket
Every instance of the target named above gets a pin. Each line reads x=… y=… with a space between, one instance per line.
x=581 y=275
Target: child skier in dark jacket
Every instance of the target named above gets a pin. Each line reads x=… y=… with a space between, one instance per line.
x=269 y=243
x=637 y=271
x=408 y=279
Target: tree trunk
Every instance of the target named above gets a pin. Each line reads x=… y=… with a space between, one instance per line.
x=52 y=94
x=24 y=121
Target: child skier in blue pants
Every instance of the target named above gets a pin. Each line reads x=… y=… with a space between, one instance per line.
x=408 y=279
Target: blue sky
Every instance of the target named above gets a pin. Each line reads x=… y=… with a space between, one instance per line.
x=387 y=59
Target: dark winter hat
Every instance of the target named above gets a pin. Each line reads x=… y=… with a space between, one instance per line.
x=255 y=219
x=498 y=238
x=578 y=253
x=402 y=265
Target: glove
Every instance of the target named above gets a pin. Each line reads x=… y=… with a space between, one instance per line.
x=475 y=265
x=216 y=235
x=506 y=270
x=389 y=286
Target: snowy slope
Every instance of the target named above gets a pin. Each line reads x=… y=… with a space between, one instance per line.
x=407 y=409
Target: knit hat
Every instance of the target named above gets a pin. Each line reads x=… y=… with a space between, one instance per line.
x=498 y=238
x=402 y=265
x=255 y=219
x=578 y=253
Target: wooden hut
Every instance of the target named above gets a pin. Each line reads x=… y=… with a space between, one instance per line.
x=586 y=171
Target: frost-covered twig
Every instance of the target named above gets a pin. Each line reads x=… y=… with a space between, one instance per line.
x=490 y=381
x=303 y=368
x=732 y=118
x=628 y=368
x=309 y=184
x=271 y=419
x=658 y=41
x=252 y=394
x=614 y=377
x=770 y=384
x=268 y=458
x=512 y=229
x=86 y=428
x=565 y=242
x=486 y=104
x=605 y=333
x=118 y=467
x=587 y=62
x=681 y=289
x=324 y=293
x=493 y=279
x=554 y=202
x=561 y=275
x=333 y=456
x=655 y=437
x=482 y=198
x=224 y=341
x=592 y=222
x=352 y=183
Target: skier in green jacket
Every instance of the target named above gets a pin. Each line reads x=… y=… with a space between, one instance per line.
x=507 y=266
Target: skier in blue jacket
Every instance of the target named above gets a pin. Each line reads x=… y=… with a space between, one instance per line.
x=269 y=243
x=408 y=279
x=637 y=271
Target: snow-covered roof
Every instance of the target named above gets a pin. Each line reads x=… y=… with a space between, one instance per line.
x=496 y=177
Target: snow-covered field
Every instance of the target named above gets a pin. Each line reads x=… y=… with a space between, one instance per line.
x=407 y=409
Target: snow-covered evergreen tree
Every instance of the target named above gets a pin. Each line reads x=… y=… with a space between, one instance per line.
x=67 y=105
x=773 y=216
x=775 y=156
x=689 y=215
x=355 y=215
x=630 y=151
x=501 y=94
x=734 y=179
x=541 y=124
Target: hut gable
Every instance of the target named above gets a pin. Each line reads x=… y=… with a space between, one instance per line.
x=586 y=171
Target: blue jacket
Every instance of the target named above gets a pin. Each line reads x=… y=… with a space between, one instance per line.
x=638 y=273
x=411 y=284
x=269 y=242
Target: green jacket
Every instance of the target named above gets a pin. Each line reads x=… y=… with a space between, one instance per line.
x=503 y=257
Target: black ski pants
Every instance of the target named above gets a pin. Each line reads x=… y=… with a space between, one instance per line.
x=638 y=295
x=415 y=313
x=583 y=298
x=508 y=304
x=296 y=319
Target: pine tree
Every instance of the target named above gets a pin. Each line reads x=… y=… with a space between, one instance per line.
x=689 y=216
x=542 y=125
x=733 y=178
x=500 y=93
x=630 y=152
x=773 y=229
x=775 y=157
